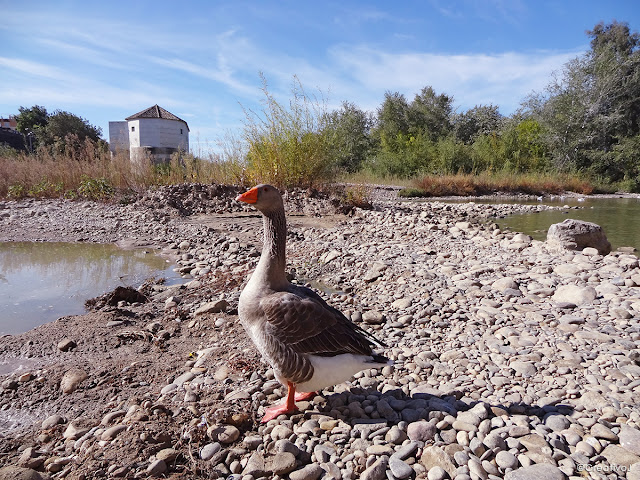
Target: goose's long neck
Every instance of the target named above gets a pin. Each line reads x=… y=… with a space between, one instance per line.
x=271 y=267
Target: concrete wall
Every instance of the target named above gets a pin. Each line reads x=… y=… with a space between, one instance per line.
x=157 y=155
x=118 y=137
x=134 y=134
x=163 y=133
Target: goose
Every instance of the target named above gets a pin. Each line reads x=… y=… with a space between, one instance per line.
x=309 y=344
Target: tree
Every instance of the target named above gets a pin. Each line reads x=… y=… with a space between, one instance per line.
x=62 y=124
x=30 y=119
x=595 y=105
x=351 y=128
x=477 y=121
x=615 y=36
x=392 y=117
x=430 y=114
x=615 y=69
x=562 y=109
x=522 y=148
x=410 y=135
x=56 y=129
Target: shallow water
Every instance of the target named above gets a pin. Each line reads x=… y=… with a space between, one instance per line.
x=619 y=217
x=42 y=281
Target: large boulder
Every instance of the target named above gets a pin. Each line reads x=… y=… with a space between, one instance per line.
x=577 y=235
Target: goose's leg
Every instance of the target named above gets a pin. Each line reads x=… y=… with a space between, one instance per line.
x=289 y=406
x=305 y=396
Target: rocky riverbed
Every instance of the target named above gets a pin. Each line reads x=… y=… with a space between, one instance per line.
x=513 y=359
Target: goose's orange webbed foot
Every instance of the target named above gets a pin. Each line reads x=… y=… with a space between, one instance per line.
x=288 y=407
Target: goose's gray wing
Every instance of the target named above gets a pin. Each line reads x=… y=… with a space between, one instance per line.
x=298 y=324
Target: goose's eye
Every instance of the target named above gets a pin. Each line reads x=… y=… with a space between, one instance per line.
x=265 y=189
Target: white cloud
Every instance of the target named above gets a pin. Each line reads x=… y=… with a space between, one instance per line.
x=34 y=69
x=493 y=11
x=503 y=79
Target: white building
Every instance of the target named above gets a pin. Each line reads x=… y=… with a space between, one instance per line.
x=153 y=133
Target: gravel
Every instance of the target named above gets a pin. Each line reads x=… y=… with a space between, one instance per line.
x=512 y=358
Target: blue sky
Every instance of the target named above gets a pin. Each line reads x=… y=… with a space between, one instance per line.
x=201 y=60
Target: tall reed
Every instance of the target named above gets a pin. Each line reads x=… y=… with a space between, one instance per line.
x=88 y=169
x=289 y=146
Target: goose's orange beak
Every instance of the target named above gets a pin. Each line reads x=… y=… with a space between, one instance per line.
x=250 y=196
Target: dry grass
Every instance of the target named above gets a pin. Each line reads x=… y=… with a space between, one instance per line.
x=44 y=174
x=367 y=177
x=486 y=184
x=358 y=195
x=88 y=170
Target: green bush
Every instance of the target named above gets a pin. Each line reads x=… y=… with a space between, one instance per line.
x=452 y=157
x=45 y=188
x=289 y=147
x=95 y=188
x=403 y=156
x=16 y=191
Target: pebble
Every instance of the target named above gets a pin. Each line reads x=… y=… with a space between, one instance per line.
x=630 y=439
x=167 y=454
x=436 y=473
x=399 y=469
x=406 y=450
x=223 y=433
x=212 y=307
x=421 y=431
x=72 y=379
x=311 y=471
x=536 y=472
x=73 y=432
x=575 y=294
x=52 y=421
x=11 y=472
x=600 y=431
x=376 y=471
x=616 y=455
x=477 y=470
x=209 y=450
x=434 y=456
x=494 y=441
x=281 y=463
x=66 y=344
x=157 y=468
x=557 y=423
x=112 y=432
x=373 y=317
x=506 y=460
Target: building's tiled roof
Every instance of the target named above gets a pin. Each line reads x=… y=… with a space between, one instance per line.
x=156 y=112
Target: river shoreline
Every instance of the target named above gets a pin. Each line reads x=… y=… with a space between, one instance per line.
x=511 y=359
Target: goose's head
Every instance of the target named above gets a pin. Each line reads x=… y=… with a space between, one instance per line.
x=265 y=198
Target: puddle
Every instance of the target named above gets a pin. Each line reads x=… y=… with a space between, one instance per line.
x=42 y=281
